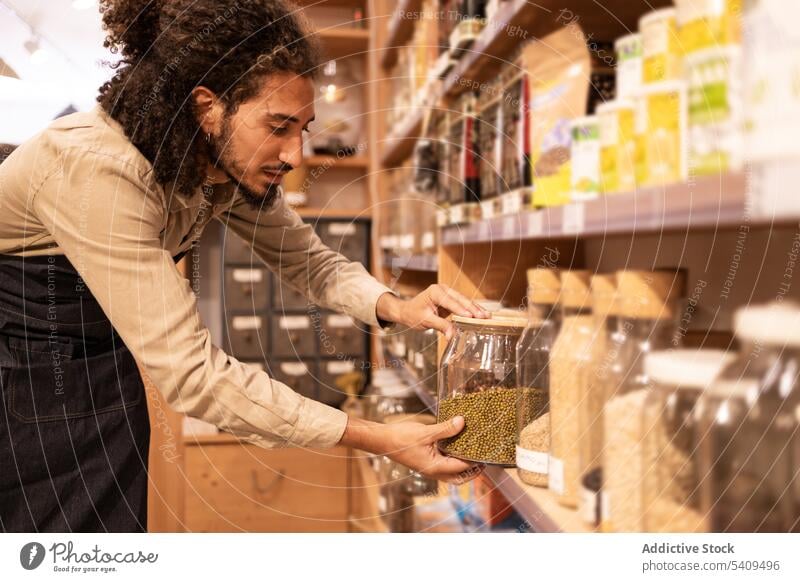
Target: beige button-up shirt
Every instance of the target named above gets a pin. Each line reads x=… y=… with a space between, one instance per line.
x=81 y=189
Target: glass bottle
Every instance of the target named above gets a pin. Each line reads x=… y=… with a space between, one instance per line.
x=748 y=442
x=670 y=487
x=570 y=368
x=478 y=380
x=533 y=359
x=649 y=307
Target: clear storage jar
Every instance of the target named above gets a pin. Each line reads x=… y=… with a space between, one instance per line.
x=671 y=498
x=649 y=307
x=478 y=380
x=533 y=360
x=570 y=371
x=748 y=442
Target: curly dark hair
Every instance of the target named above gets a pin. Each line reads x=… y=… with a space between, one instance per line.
x=169 y=47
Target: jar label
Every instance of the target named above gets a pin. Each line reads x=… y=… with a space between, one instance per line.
x=533 y=461
x=589 y=506
x=556 y=475
x=342 y=228
x=244 y=322
x=247 y=275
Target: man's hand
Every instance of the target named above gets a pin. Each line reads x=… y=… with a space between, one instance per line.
x=428 y=309
x=413 y=444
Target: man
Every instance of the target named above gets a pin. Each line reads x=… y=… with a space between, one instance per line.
x=202 y=119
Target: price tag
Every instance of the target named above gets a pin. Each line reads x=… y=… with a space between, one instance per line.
x=572 y=219
x=535 y=222
x=487 y=209
x=407 y=242
x=456 y=214
x=441 y=217
x=247 y=275
x=294 y=322
x=428 y=240
x=242 y=322
x=418 y=360
x=512 y=203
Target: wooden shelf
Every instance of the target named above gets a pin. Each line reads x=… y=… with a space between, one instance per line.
x=354 y=162
x=537 y=506
x=344 y=214
x=400 y=31
x=708 y=203
x=425 y=263
x=344 y=41
x=516 y=22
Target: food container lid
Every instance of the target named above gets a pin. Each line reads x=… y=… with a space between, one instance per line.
x=604 y=294
x=650 y=294
x=614 y=105
x=575 y=289
x=686 y=368
x=508 y=313
x=628 y=39
x=544 y=286
x=775 y=324
x=492 y=321
x=656 y=15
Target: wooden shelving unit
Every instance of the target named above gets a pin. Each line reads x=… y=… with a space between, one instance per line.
x=356 y=162
x=424 y=263
x=344 y=41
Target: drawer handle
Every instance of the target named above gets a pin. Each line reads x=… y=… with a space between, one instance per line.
x=274 y=483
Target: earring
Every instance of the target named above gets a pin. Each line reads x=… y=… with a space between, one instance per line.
x=208 y=138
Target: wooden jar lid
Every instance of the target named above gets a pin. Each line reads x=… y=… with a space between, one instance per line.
x=544 y=286
x=575 y=289
x=650 y=294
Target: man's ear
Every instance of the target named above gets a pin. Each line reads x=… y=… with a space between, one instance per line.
x=207 y=109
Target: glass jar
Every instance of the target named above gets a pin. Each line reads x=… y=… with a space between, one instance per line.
x=478 y=380
x=670 y=488
x=748 y=442
x=430 y=361
x=605 y=321
x=649 y=307
x=533 y=359
x=570 y=370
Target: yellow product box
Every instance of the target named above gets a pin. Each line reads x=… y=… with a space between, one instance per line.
x=617 y=146
x=660 y=127
x=704 y=24
x=661 y=52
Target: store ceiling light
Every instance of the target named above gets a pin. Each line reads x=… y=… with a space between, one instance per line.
x=38 y=54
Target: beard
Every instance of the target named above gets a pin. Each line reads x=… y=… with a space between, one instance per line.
x=223 y=158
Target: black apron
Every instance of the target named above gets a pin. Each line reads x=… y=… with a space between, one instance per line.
x=74 y=426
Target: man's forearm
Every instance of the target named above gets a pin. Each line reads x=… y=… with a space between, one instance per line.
x=366 y=435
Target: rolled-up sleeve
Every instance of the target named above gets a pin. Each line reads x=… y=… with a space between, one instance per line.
x=283 y=241
x=108 y=225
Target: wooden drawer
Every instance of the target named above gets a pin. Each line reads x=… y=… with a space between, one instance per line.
x=340 y=334
x=293 y=336
x=349 y=238
x=246 y=336
x=246 y=288
x=233 y=487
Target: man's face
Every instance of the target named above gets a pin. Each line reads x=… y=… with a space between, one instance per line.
x=263 y=139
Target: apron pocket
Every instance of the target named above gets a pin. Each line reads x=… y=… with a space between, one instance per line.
x=75 y=388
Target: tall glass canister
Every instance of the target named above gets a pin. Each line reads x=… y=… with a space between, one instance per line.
x=533 y=360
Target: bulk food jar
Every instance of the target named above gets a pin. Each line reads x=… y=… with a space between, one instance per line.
x=570 y=371
x=670 y=485
x=533 y=360
x=747 y=439
x=478 y=380
x=592 y=397
x=649 y=306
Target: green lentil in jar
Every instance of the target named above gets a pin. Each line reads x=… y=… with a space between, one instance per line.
x=490 y=430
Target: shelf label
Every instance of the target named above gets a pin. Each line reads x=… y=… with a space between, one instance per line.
x=294 y=322
x=244 y=322
x=342 y=228
x=456 y=214
x=407 y=242
x=294 y=368
x=512 y=203
x=536 y=222
x=533 y=461
x=556 y=475
x=247 y=275
x=428 y=240
x=573 y=218
x=487 y=209
x=342 y=367
x=340 y=321
x=441 y=217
